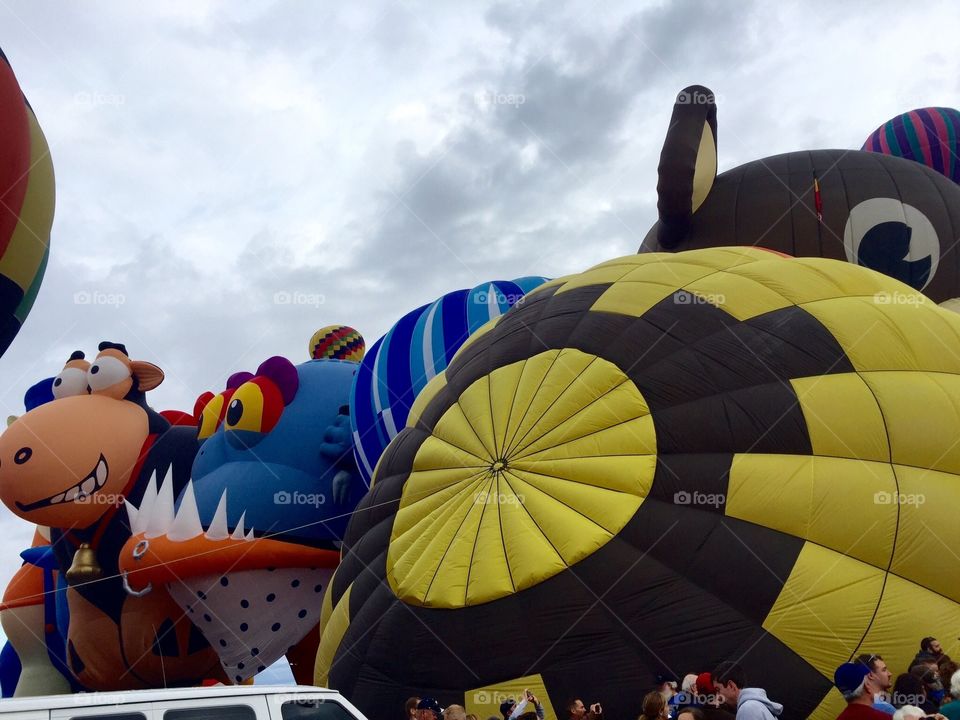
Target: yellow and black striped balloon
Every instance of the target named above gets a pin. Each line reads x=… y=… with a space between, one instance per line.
x=655 y=465
x=26 y=205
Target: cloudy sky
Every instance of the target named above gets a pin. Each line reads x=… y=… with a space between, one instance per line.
x=232 y=176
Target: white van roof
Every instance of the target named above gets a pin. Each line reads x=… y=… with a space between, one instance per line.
x=122 y=697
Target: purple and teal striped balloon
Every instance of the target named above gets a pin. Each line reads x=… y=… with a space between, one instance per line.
x=930 y=136
x=419 y=346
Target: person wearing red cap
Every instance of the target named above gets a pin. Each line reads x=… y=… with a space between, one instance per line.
x=705 y=699
x=856 y=684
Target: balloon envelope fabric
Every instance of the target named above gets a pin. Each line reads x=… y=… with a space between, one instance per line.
x=413 y=351
x=929 y=135
x=26 y=214
x=655 y=465
x=886 y=213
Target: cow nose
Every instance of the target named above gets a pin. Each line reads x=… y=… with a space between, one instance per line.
x=23 y=454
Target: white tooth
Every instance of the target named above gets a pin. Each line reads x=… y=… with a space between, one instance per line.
x=146 y=505
x=218 y=526
x=70 y=494
x=89 y=485
x=131 y=516
x=238 y=530
x=249 y=536
x=162 y=516
x=186 y=524
x=101 y=472
x=58 y=498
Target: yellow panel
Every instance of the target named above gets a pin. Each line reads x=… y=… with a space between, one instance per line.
x=490 y=574
x=437 y=454
x=467 y=533
x=595 y=276
x=805 y=496
x=606 y=508
x=880 y=336
x=626 y=473
x=331 y=635
x=420 y=554
x=455 y=429
x=477 y=407
x=705 y=171
x=810 y=279
x=431 y=390
x=572 y=535
x=485 y=702
x=831 y=706
x=503 y=393
x=599 y=397
x=632 y=298
x=922 y=413
x=842 y=416
x=740 y=296
x=927 y=551
x=559 y=385
x=529 y=553
x=669 y=271
x=907 y=613
x=825 y=606
x=31 y=236
x=448 y=588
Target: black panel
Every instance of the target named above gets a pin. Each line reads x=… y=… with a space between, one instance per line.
x=762 y=419
x=696 y=481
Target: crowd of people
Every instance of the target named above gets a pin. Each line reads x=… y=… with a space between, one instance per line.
x=930 y=688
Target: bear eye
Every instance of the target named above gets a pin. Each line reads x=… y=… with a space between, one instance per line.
x=893 y=238
x=70 y=381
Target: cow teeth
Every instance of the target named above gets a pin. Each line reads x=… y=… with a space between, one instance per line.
x=186 y=524
x=89 y=485
x=238 y=530
x=218 y=526
x=58 y=498
x=162 y=515
x=141 y=516
x=101 y=472
x=71 y=493
x=131 y=516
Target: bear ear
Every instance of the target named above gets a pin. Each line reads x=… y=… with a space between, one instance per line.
x=688 y=163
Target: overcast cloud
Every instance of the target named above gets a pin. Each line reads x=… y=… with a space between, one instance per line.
x=215 y=159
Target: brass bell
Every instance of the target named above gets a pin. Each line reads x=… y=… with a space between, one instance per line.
x=84 y=567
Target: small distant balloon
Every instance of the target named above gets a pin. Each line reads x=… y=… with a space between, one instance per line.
x=337 y=342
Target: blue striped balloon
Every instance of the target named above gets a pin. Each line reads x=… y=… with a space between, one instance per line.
x=419 y=346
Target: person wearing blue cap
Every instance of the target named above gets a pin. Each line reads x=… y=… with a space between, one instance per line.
x=853 y=680
x=428 y=709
